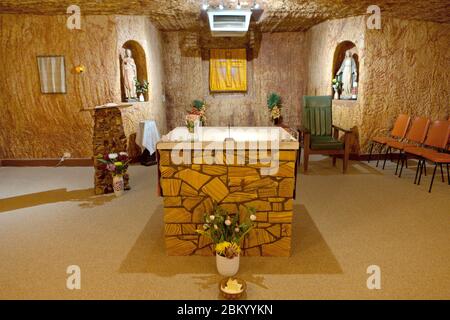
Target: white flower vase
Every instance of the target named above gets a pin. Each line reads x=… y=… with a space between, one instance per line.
x=141 y=97
x=118 y=185
x=227 y=267
x=336 y=94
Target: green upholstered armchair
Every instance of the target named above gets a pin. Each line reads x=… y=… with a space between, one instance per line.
x=319 y=134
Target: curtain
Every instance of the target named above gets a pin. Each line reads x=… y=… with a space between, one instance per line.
x=228 y=70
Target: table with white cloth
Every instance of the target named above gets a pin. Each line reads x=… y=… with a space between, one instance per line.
x=147 y=136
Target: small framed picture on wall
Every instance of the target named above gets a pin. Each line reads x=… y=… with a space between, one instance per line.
x=52 y=74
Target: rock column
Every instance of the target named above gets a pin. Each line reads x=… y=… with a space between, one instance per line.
x=109 y=137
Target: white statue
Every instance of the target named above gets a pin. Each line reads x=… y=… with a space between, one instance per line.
x=129 y=72
x=347 y=74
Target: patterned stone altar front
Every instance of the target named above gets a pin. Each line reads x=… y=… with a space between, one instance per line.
x=190 y=191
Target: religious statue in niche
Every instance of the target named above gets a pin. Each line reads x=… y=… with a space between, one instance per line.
x=129 y=72
x=347 y=75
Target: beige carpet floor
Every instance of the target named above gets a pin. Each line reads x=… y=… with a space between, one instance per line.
x=50 y=219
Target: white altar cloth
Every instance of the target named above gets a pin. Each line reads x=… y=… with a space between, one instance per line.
x=147 y=135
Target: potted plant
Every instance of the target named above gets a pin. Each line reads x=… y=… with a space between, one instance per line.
x=141 y=88
x=226 y=233
x=336 y=84
x=117 y=165
x=199 y=107
x=274 y=105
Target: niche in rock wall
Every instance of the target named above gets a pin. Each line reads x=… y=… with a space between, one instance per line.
x=344 y=70
x=132 y=53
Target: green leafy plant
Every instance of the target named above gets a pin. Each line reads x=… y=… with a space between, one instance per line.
x=141 y=87
x=274 y=105
x=226 y=231
x=336 y=84
x=199 y=108
x=198 y=104
x=274 y=100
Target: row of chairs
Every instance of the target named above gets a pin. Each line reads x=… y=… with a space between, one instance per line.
x=418 y=138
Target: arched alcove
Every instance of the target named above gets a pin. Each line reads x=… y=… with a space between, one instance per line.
x=339 y=55
x=138 y=54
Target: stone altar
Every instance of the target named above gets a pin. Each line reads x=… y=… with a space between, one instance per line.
x=190 y=190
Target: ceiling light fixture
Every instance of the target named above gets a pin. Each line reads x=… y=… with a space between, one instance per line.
x=255 y=5
x=221 y=6
x=238 y=6
x=205 y=5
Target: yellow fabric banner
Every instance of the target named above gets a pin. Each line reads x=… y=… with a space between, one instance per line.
x=228 y=70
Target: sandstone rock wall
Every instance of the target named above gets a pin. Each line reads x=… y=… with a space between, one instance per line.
x=36 y=125
x=279 y=65
x=408 y=73
x=403 y=68
x=323 y=40
x=140 y=29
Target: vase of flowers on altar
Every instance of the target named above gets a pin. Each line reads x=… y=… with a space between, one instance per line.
x=191 y=120
x=117 y=165
x=199 y=108
x=196 y=115
x=274 y=106
x=227 y=232
x=336 y=85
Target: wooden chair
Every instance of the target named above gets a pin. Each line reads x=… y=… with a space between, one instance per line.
x=397 y=133
x=320 y=136
x=415 y=136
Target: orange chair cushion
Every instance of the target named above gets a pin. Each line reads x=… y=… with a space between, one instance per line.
x=419 y=151
x=399 y=145
x=415 y=150
x=437 y=157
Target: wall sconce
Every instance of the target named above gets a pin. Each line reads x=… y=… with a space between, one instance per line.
x=80 y=69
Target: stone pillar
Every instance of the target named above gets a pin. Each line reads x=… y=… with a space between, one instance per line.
x=109 y=137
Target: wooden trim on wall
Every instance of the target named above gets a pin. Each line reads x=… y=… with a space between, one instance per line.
x=80 y=162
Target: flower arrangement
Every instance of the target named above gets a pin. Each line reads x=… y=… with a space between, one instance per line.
x=199 y=107
x=226 y=231
x=228 y=249
x=141 y=87
x=274 y=105
x=337 y=85
x=190 y=121
x=196 y=113
x=115 y=163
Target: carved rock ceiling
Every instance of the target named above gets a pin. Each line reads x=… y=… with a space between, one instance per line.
x=278 y=15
